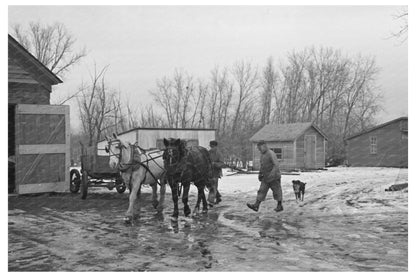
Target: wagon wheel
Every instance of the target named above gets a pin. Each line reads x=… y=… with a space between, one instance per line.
x=84 y=184
x=120 y=186
x=74 y=181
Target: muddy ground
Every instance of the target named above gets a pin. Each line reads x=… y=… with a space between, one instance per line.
x=347 y=222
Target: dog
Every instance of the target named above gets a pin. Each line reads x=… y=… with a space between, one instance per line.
x=299 y=188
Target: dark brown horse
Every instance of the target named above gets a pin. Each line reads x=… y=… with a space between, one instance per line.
x=185 y=165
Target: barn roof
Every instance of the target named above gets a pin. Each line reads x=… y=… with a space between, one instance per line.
x=283 y=132
x=377 y=127
x=30 y=65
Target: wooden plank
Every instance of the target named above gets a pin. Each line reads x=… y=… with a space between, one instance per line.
x=44 y=167
x=50 y=168
x=68 y=146
x=45 y=124
x=42 y=109
x=21 y=79
x=42 y=187
x=41 y=149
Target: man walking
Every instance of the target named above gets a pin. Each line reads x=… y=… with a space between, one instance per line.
x=214 y=196
x=269 y=176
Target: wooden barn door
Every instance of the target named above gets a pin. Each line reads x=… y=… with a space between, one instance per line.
x=310 y=151
x=42 y=148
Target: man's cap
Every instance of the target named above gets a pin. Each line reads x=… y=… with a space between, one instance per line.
x=262 y=142
x=213 y=143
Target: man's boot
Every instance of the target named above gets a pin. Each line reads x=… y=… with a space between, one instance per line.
x=279 y=207
x=255 y=206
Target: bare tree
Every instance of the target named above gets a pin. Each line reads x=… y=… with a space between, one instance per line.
x=402 y=16
x=268 y=89
x=96 y=103
x=246 y=82
x=52 y=45
x=164 y=95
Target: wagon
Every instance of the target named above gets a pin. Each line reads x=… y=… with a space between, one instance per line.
x=95 y=172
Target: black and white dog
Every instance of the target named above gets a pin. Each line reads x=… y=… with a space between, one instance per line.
x=299 y=188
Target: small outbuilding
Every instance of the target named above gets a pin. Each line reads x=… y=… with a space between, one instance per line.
x=383 y=145
x=152 y=138
x=297 y=145
x=38 y=133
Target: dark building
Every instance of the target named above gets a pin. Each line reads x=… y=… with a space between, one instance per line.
x=38 y=133
x=297 y=145
x=383 y=145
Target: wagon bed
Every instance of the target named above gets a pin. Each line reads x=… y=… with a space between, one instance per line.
x=95 y=172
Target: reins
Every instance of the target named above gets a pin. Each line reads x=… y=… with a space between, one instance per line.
x=132 y=164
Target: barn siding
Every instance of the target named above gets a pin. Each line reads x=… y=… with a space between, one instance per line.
x=28 y=94
x=320 y=149
x=392 y=149
x=147 y=138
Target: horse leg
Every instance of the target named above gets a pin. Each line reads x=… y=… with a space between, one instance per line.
x=174 y=190
x=213 y=188
x=198 y=202
x=162 y=196
x=135 y=192
x=201 y=191
x=155 y=203
x=185 y=197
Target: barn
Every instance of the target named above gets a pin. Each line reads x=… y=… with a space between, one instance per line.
x=383 y=145
x=152 y=138
x=38 y=133
x=297 y=145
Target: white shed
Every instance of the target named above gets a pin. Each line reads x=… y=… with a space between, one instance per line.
x=149 y=138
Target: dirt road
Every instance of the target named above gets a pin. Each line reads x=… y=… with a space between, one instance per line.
x=346 y=223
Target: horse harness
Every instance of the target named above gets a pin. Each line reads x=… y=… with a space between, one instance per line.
x=135 y=163
x=182 y=163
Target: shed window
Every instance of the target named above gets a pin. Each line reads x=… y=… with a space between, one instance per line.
x=279 y=152
x=373 y=145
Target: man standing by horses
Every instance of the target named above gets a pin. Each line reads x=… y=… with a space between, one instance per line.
x=214 y=196
x=269 y=176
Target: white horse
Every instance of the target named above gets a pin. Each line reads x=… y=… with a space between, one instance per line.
x=138 y=167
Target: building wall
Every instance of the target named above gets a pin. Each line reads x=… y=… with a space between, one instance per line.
x=148 y=138
x=320 y=149
x=288 y=161
x=392 y=147
x=24 y=93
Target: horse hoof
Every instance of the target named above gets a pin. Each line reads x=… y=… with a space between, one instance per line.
x=205 y=211
x=155 y=204
x=127 y=219
x=187 y=211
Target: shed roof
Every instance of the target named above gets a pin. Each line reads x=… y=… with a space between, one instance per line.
x=162 y=129
x=30 y=63
x=377 y=127
x=283 y=132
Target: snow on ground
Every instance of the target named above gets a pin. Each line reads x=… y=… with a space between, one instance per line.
x=333 y=191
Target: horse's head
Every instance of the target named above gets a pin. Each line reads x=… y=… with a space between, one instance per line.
x=115 y=150
x=173 y=153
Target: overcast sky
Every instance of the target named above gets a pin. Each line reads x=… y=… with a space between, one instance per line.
x=143 y=43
